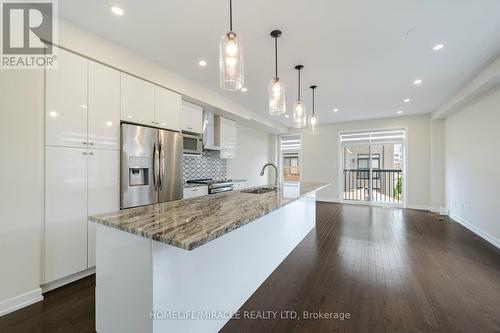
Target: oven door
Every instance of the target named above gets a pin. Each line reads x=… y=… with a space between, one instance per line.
x=192 y=144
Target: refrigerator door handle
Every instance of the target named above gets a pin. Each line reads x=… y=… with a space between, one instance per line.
x=155 y=159
x=162 y=166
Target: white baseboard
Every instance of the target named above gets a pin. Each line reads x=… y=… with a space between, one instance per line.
x=419 y=207
x=478 y=231
x=20 y=301
x=68 y=279
x=328 y=200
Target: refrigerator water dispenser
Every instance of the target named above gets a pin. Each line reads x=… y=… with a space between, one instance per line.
x=138 y=171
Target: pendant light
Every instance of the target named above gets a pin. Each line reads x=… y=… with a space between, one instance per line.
x=314 y=120
x=276 y=88
x=299 y=108
x=231 y=75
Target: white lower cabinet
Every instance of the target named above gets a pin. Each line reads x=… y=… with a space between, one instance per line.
x=65 y=212
x=78 y=182
x=103 y=190
x=196 y=191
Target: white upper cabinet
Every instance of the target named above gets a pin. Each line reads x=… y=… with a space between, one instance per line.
x=226 y=135
x=104 y=107
x=167 y=109
x=137 y=100
x=65 y=249
x=103 y=190
x=66 y=101
x=192 y=117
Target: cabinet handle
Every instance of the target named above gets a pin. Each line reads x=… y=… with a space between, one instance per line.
x=91 y=143
x=84 y=142
x=91 y=153
x=195 y=190
x=84 y=153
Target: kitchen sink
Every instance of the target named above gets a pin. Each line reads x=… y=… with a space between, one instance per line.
x=260 y=190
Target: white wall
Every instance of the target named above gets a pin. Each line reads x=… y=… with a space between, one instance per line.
x=21 y=191
x=437 y=165
x=254 y=150
x=472 y=178
x=320 y=156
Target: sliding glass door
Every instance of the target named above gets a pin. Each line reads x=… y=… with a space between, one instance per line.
x=373 y=167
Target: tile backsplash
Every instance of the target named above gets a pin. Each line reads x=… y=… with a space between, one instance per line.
x=204 y=166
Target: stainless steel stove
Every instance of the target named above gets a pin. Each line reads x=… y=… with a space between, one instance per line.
x=214 y=186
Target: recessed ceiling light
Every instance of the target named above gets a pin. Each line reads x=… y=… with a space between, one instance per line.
x=129 y=116
x=406 y=100
x=83 y=106
x=202 y=63
x=418 y=82
x=335 y=110
x=109 y=123
x=53 y=114
x=437 y=47
x=287 y=116
x=399 y=111
x=117 y=10
x=244 y=89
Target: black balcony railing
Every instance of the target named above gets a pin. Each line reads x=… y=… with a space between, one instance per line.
x=386 y=185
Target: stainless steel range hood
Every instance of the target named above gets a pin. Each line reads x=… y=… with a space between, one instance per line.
x=209 y=132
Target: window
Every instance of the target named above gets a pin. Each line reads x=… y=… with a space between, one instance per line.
x=363 y=164
x=373 y=166
x=290 y=147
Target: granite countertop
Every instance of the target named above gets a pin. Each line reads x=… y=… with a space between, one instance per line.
x=190 y=223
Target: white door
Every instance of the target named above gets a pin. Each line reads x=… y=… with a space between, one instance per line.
x=168 y=109
x=104 y=107
x=66 y=101
x=65 y=212
x=192 y=117
x=103 y=189
x=137 y=100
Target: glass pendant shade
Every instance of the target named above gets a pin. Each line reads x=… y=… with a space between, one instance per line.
x=314 y=124
x=314 y=120
x=231 y=73
x=299 y=114
x=276 y=92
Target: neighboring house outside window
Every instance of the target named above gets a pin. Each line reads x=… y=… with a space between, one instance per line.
x=363 y=164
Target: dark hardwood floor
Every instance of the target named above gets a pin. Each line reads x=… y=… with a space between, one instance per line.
x=391 y=270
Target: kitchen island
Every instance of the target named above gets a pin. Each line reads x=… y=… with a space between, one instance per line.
x=189 y=265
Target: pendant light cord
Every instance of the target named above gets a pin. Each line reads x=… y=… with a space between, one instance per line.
x=276 y=57
x=313 y=102
x=230 y=15
x=298 y=87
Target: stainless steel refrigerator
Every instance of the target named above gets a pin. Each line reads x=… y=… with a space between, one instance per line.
x=151 y=166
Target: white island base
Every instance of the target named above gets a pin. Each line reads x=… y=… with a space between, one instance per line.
x=143 y=285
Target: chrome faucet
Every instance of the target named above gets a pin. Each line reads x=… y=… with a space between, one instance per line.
x=275 y=169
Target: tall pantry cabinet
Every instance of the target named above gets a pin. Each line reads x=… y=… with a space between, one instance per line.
x=82 y=142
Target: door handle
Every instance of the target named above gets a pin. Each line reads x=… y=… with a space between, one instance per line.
x=154 y=165
x=162 y=166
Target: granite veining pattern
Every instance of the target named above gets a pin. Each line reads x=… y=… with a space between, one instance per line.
x=190 y=223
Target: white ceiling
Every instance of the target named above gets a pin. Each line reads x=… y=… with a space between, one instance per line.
x=360 y=53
